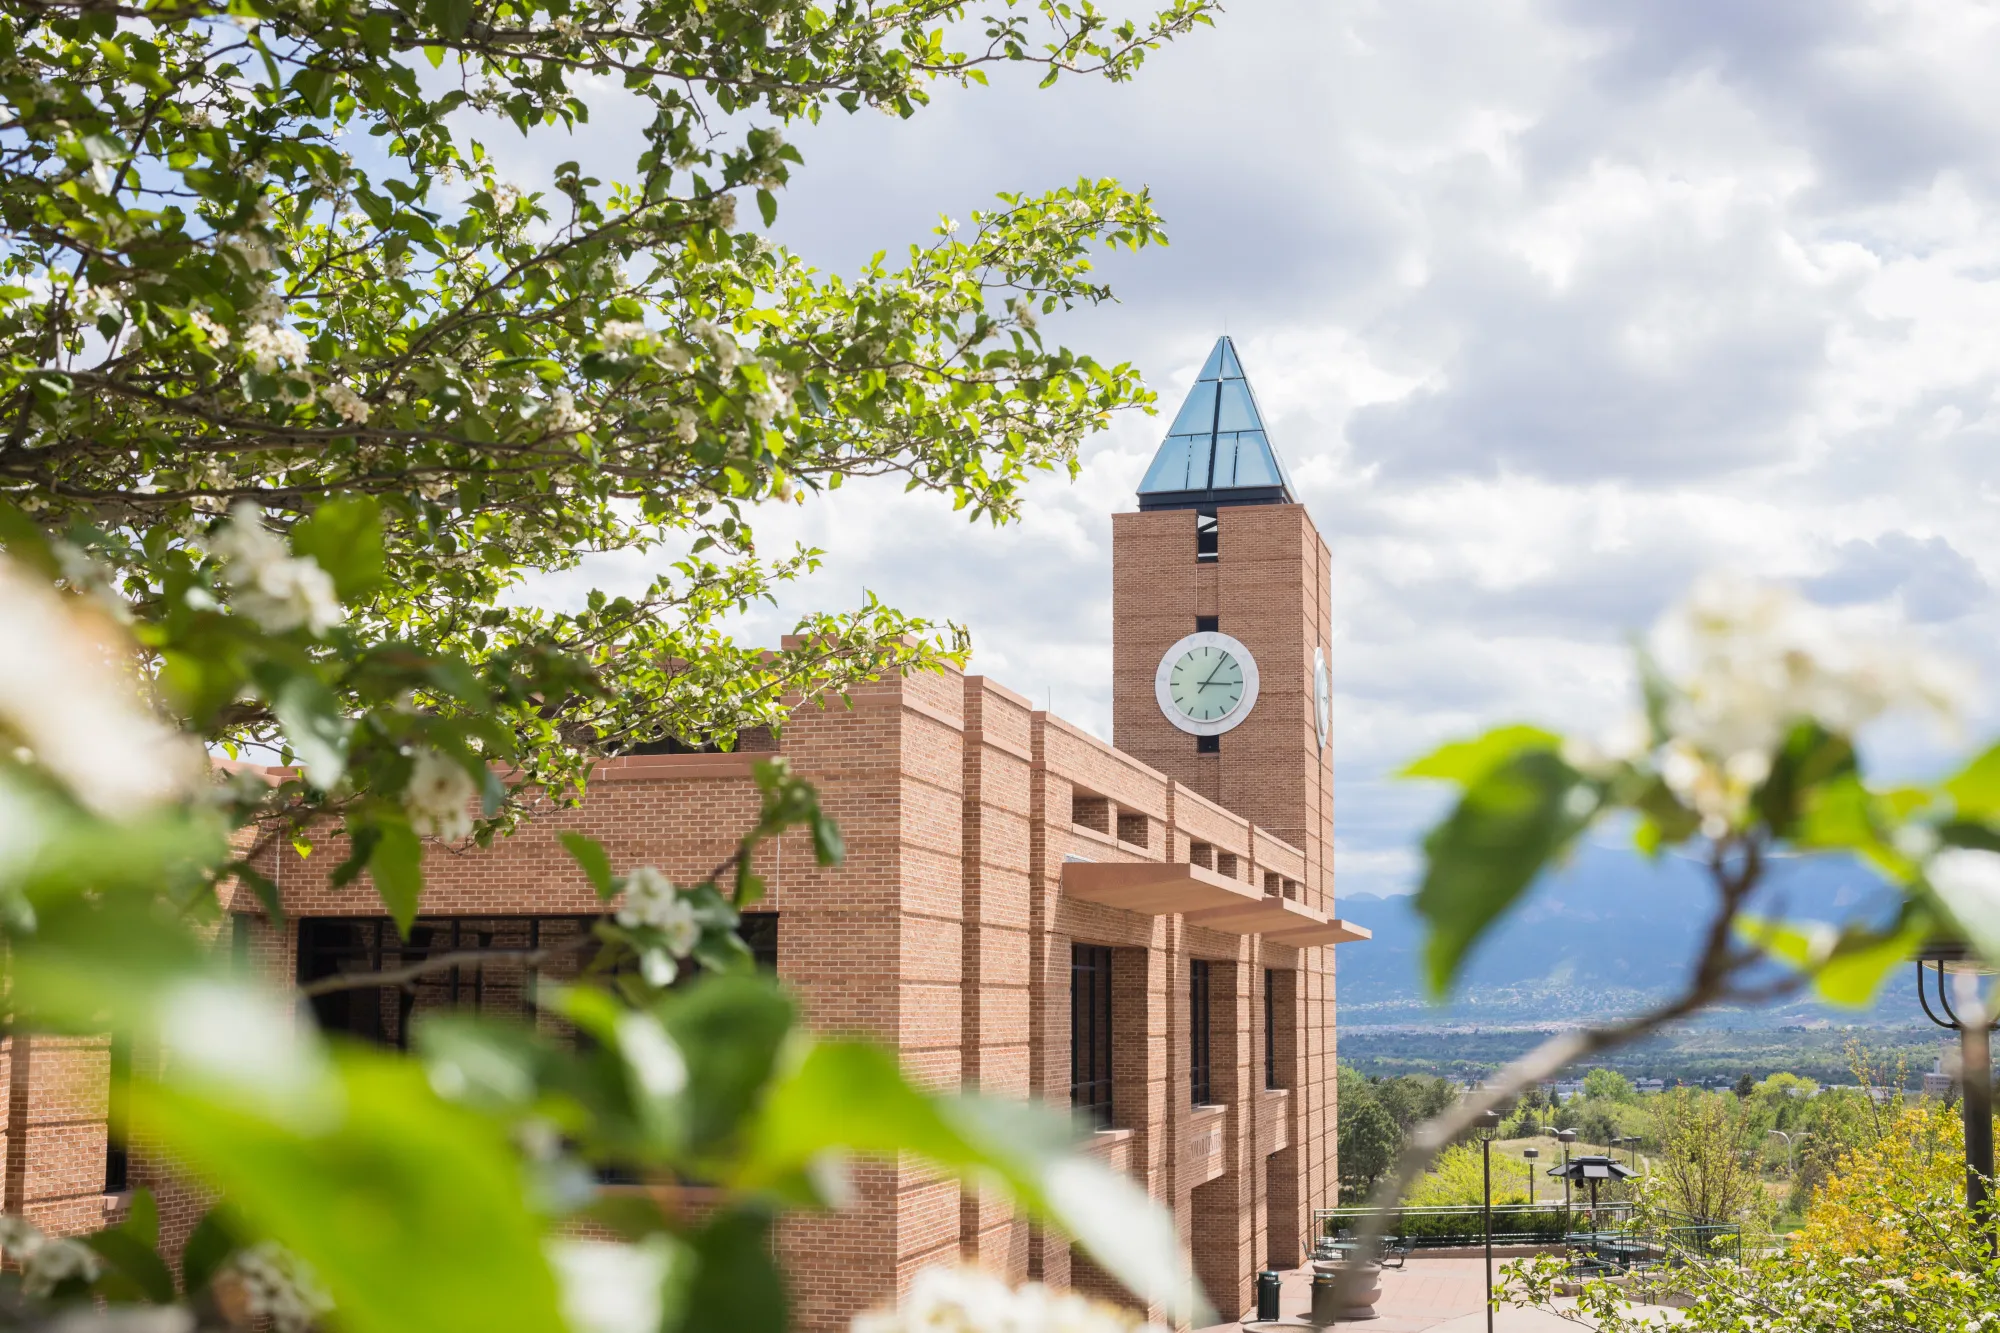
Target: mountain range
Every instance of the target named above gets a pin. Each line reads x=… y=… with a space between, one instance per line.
x=1609 y=933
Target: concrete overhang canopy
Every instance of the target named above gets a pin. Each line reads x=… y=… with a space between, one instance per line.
x=1279 y=920
x=1332 y=931
x=1155 y=888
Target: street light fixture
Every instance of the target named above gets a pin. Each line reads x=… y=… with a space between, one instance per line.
x=1936 y=961
x=1532 y=1155
x=1632 y=1139
x=1489 y=1124
x=1567 y=1137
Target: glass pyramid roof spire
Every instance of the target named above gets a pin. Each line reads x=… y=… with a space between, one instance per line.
x=1217 y=452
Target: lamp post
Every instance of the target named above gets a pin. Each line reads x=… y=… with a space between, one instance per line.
x=1567 y=1136
x=1532 y=1155
x=1489 y=1121
x=1632 y=1139
x=1791 y=1162
x=1935 y=962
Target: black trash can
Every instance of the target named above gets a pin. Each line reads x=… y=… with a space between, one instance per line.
x=1267 y=1293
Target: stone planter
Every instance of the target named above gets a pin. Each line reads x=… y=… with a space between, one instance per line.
x=1360 y=1305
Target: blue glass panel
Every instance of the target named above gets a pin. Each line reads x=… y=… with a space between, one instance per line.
x=1255 y=465
x=1225 y=462
x=1238 y=411
x=1169 y=471
x=1212 y=368
x=1230 y=369
x=1197 y=414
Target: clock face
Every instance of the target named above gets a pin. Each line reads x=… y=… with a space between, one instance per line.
x=1206 y=683
x=1322 y=697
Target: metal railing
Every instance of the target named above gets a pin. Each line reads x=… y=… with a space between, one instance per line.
x=1608 y=1238
x=1448 y=1226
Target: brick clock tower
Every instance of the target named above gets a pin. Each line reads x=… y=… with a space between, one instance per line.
x=1221 y=624
x=1221 y=632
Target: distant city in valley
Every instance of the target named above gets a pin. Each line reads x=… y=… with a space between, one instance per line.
x=1610 y=935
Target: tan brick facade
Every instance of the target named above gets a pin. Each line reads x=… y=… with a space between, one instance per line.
x=947 y=932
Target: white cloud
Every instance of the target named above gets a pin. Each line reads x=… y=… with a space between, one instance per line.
x=1551 y=306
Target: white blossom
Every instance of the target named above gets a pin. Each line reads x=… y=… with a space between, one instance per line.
x=971 y=1300
x=215 y=335
x=279 y=1286
x=1744 y=663
x=352 y=407
x=607 y=1287
x=268 y=308
x=619 y=334
x=652 y=900
x=437 y=795
x=255 y=254
x=46 y=1261
x=563 y=417
x=268 y=344
x=68 y=699
x=278 y=590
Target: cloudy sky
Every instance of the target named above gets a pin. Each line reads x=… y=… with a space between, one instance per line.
x=1551 y=305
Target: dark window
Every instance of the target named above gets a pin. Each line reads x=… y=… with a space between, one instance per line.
x=759 y=930
x=117 y=1157
x=1207 y=537
x=331 y=946
x=1208 y=745
x=1207 y=624
x=1198 y=1067
x=1090 y=1032
x=1270 y=1027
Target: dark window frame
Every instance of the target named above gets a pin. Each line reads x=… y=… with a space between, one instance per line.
x=1090 y=1077
x=117 y=1155
x=1201 y=1072
x=1271 y=1029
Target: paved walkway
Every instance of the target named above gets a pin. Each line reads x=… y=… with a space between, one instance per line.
x=1445 y=1295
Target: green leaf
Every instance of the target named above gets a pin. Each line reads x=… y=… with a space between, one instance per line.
x=142 y=1217
x=851 y=1097
x=397 y=867
x=136 y=1271
x=1975 y=789
x=1810 y=758
x=311 y=718
x=345 y=537
x=1513 y=820
x=828 y=847
x=1466 y=762
x=1854 y=975
x=208 y=1248
x=1848 y=965
x=266 y=889
x=412 y=1212
x=737 y=1286
x=730 y=1029
x=591 y=858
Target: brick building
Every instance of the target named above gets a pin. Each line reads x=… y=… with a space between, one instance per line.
x=1141 y=931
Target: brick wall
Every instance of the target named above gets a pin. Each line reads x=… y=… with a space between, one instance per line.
x=946 y=932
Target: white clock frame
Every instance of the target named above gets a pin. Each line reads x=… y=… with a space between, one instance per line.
x=1322 y=688
x=1163 y=684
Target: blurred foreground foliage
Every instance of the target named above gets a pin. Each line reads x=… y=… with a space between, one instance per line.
x=298 y=391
